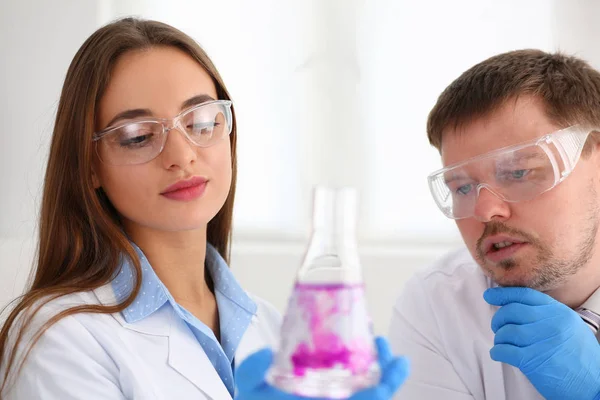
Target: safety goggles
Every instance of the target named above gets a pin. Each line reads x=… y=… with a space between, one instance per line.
x=514 y=174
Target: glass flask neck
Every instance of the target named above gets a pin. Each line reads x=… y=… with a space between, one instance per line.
x=332 y=254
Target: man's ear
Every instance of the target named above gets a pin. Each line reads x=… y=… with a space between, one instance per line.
x=595 y=147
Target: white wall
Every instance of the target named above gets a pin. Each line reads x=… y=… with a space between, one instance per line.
x=354 y=78
x=37 y=41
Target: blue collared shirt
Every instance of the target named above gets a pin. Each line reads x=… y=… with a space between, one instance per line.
x=235 y=307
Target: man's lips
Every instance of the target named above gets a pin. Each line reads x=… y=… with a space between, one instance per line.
x=498 y=242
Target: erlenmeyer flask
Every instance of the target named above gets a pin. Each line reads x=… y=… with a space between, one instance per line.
x=327 y=346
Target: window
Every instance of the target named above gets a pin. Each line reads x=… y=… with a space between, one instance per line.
x=339 y=91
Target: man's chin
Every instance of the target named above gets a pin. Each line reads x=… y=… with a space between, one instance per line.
x=511 y=277
x=533 y=282
x=512 y=283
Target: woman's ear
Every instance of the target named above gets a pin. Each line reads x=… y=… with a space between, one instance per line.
x=95 y=180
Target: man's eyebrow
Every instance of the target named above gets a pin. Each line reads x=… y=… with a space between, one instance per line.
x=455 y=178
x=514 y=159
x=525 y=157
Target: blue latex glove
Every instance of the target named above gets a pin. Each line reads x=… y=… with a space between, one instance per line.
x=547 y=341
x=250 y=377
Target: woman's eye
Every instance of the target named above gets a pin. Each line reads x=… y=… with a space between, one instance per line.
x=135 y=140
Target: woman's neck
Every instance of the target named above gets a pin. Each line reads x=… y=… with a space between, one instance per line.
x=178 y=259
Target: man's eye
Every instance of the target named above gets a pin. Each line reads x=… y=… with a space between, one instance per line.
x=519 y=173
x=514 y=175
x=464 y=189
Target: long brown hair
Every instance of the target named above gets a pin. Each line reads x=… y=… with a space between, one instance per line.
x=80 y=238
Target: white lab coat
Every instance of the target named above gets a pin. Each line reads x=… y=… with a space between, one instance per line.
x=443 y=325
x=101 y=356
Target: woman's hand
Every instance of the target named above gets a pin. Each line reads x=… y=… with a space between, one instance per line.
x=251 y=384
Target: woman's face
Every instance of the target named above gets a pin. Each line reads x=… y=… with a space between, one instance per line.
x=161 y=82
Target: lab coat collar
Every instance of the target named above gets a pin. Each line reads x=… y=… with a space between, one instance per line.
x=184 y=354
x=153 y=325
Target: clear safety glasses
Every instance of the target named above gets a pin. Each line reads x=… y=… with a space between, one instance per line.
x=137 y=142
x=515 y=173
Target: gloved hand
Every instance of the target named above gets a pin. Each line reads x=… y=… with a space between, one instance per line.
x=547 y=341
x=250 y=377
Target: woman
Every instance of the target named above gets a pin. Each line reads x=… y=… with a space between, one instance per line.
x=132 y=296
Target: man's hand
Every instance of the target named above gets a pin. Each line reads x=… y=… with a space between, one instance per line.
x=547 y=341
x=250 y=377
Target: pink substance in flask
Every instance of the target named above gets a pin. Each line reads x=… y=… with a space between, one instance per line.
x=326 y=347
x=327 y=309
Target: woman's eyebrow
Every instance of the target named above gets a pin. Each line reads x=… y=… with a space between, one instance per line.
x=130 y=114
x=145 y=112
x=193 y=101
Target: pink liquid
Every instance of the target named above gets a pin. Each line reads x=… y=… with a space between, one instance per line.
x=327 y=347
x=322 y=304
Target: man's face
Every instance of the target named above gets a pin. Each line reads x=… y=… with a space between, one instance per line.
x=540 y=243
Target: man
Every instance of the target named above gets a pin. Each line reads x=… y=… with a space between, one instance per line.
x=514 y=315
